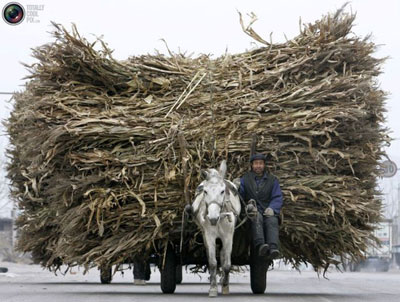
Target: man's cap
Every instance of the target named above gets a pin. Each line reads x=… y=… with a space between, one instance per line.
x=258 y=156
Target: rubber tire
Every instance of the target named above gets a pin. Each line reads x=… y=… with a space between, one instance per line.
x=258 y=274
x=3 y=270
x=168 y=273
x=178 y=274
x=105 y=275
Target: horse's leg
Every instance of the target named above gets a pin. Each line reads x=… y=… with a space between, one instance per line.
x=226 y=251
x=221 y=257
x=212 y=263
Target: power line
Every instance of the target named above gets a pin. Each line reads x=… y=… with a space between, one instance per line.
x=6 y=92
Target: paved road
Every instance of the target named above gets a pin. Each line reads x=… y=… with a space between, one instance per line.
x=29 y=283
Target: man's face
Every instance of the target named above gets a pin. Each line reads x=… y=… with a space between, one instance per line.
x=258 y=166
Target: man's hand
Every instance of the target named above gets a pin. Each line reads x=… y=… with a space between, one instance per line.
x=251 y=210
x=269 y=212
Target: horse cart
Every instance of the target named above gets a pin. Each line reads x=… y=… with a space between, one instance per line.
x=216 y=236
x=243 y=254
x=187 y=248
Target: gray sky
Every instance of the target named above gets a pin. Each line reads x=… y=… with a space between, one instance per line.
x=211 y=27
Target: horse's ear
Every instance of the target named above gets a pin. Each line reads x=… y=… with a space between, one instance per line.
x=222 y=169
x=204 y=174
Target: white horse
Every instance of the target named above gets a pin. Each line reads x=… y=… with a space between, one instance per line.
x=216 y=208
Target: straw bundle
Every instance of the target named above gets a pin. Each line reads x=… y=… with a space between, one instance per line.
x=98 y=170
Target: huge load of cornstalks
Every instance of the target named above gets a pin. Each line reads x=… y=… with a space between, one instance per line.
x=98 y=164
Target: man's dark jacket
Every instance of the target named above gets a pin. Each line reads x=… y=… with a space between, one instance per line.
x=264 y=190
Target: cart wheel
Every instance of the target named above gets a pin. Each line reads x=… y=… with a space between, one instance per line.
x=352 y=266
x=3 y=270
x=258 y=274
x=105 y=275
x=168 y=273
x=178 y=275
x=148 y=272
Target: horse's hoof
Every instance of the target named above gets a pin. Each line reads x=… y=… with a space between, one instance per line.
x=225 y=290
x=213 y=292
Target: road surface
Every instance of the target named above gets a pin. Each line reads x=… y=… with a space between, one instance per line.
x=30 y=283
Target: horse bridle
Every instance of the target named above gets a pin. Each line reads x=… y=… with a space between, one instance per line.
x=227 y=190
x=214 y=202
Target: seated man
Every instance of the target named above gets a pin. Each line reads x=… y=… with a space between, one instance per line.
x=264 y=189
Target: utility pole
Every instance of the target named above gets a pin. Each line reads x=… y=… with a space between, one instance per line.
x=396 y=233
x=13 y=229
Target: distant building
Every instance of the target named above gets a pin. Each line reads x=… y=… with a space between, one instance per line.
x=390 y=188
x=5 y=224
x=6 y=233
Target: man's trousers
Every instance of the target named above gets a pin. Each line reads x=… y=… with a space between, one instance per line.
x=265 y=230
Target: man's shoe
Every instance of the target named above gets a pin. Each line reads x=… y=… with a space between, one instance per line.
x=273 y=253
x=139 y=282
x=263 y=250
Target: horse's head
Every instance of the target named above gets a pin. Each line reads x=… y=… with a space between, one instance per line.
x=214 y=192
